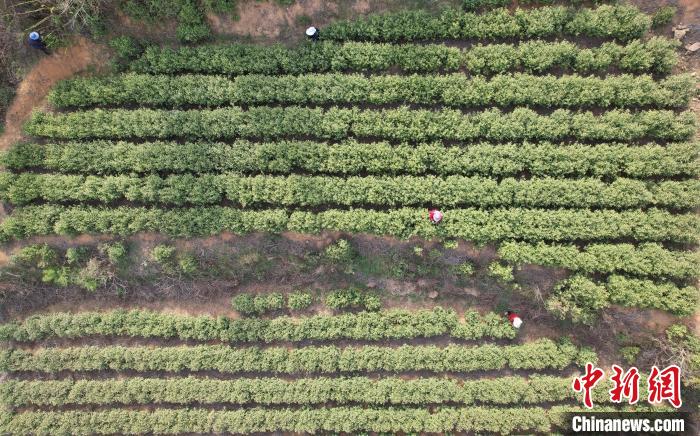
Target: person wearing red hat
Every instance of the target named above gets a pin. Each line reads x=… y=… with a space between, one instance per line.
x=514 y=319
x=435 y=216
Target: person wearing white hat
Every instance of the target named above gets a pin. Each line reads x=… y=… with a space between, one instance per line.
x=36 y=42
x=312 y=33
x=514 y=319
x=435 y=216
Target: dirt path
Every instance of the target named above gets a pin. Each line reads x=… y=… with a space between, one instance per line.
x=31 y=93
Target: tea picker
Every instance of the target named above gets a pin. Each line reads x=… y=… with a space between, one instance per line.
x=36 y=42
x=313 y=34
x=514 y=319
x=435 y=216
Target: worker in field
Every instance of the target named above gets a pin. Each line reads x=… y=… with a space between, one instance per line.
x=514 y=319
x=313 y=34
x=36 y=42
x=435 y=216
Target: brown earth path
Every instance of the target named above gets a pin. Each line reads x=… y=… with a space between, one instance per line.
x=32 y=91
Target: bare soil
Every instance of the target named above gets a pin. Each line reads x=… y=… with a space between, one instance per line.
x=32 y=91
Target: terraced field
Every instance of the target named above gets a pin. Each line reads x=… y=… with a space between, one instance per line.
x=558 y=134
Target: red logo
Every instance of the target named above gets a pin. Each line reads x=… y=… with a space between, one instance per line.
x=626 y=385
x=665 y=385
x=587 y=382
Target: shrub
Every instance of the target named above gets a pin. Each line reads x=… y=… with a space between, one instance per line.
x=126 y=48
x=188 y=264
x=663 y=16
x=340 y=252
x=578 y=298
x=91 y=276
x=192 y=25
x=163 y=254
x=116 y=252
x=299 y=300
x=41 y=255
x=629 y=354
x=247 y=304
x=502 y=273
x=353 y=298
x=244 y=304
x=466 y=269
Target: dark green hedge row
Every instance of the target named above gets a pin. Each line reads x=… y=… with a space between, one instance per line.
x=401 y=124
x=274 y=391
x=581 y=297
x=456 y=90
x=656 y=55
x=373 y=326
x=351 y=420
x=608 y=21
x=577 y=160
x=469 y=224
x=302 y=191
x=537 y=355
x=645 y=259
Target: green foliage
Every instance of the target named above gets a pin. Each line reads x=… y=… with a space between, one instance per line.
x=340 y=252
x=188 y=264
x=306 y=391
x=257 y=305
x=579 y=299
x=351 y=157
x=299 y=300
x=92 y=276
x=630 y=353
x=56 y=275
x=646 y=259
x=454 y=90
x=368 y=326
x=500 y=272
x=663 y=16
x=466 y=269
x=298 y=190
x=219 y=6
x=126 y=49
x=473 y=5
x=618 y=21
x=244 y=304
x=654 y=55
x=537 y=355
x=163 y=254
x=478 y=225
x=116 y=252
x=351 y=420
x=402 y=124
x=41 y=255
x=192 y=25
x=353 y=298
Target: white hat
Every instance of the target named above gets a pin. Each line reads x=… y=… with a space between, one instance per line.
x=311 y=31
x=34 y=36
x=517 y=322
x=437 y=216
